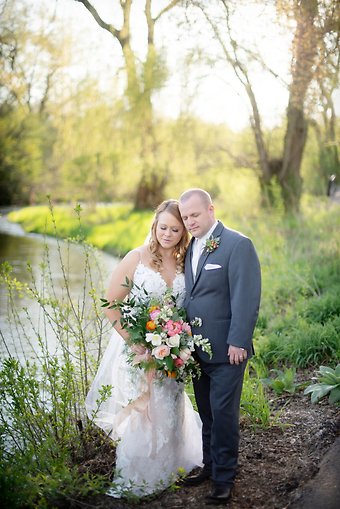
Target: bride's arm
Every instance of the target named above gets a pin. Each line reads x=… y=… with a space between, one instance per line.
x=116 y=291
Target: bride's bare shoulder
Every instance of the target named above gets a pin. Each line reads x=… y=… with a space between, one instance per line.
x=143 y=254
x=135 y=256
x=130 y=260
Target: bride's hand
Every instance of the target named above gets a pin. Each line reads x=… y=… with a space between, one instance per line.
x=138 y=349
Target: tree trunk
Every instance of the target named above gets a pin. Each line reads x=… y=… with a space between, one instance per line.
x=289 y=178
x=328 y=149
x=305 y=46
x=150 y=190
x=138 y=92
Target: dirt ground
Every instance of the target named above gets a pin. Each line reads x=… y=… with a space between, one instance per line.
x=274 y=464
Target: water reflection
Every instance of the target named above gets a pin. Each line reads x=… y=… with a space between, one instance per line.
x=18 y=249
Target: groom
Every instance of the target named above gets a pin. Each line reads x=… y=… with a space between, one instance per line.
x=223 y=286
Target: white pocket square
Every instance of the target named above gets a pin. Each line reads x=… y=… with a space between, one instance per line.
x=212 y=266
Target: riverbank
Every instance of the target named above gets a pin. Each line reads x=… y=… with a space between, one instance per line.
x=284 y=437
x=103 y=226
x=299 y=255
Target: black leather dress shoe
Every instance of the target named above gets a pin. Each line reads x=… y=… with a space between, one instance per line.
x=196 y=480
x=219 y=495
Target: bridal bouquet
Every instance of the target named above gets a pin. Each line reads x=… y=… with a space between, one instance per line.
x=160 y=338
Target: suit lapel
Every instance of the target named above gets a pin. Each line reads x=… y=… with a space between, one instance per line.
x=188 y=268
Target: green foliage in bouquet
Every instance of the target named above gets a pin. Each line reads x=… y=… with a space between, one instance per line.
x=160 y=338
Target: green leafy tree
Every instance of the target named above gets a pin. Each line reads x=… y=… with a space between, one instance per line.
x=30 y=61
x=143 y=78
x=314 y=25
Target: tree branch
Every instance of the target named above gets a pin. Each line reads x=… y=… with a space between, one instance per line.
x=166 y=9
x=44 y=99
x=106 y=26
x=239 y=160
x=264 y=66
x=241 y=73
x=150 y=22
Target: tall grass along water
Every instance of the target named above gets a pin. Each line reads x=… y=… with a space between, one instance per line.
x=53 y=333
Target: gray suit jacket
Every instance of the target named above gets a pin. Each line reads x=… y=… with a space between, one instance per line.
x=225 y=293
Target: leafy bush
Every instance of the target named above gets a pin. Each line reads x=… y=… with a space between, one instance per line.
x=326 y=268
x=44 y=429
x=329 y=384
x=322 y=308
x=284 y=381
x=302 y=344
x=46 y=435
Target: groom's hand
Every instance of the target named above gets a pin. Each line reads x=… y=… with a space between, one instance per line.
x=236 y=355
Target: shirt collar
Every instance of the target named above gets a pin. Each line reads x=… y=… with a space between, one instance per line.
x=208 y=234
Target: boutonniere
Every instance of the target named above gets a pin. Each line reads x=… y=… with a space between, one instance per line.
x=211 y=244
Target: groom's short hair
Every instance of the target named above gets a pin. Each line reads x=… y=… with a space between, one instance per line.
x=204 y=195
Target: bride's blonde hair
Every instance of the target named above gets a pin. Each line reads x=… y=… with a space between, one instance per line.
x=170 y=206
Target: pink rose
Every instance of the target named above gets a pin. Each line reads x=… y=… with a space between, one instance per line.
x=186 y=327
x=161 y=351
x=178 y=362
x=185 y=354
x=173 y=328
x=154 y=314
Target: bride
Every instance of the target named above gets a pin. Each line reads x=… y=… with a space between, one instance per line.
x=158 y=431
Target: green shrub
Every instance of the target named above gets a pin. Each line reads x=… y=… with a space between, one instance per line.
x=326 y=269
x=283 y=381
x=15 y=486
x=44 y=429
x=323 y=308
x=302 y=344
x=329 y=384
x=43 y=435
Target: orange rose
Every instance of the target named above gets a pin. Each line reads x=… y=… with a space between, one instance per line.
x=150 y=325
x=171 y=374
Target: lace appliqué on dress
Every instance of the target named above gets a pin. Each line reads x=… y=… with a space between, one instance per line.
x=154 y=284
x=155 y=423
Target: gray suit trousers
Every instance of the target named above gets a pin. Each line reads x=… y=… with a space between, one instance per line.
x=218 y=394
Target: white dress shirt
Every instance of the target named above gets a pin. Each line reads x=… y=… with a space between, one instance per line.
x=198 y=247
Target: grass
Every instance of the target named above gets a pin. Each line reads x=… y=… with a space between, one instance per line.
x=298 y=327
x=103 y=226
x=255 y=406
x=299 y=316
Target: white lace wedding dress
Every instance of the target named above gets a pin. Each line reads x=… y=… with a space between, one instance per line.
x=158 y=430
